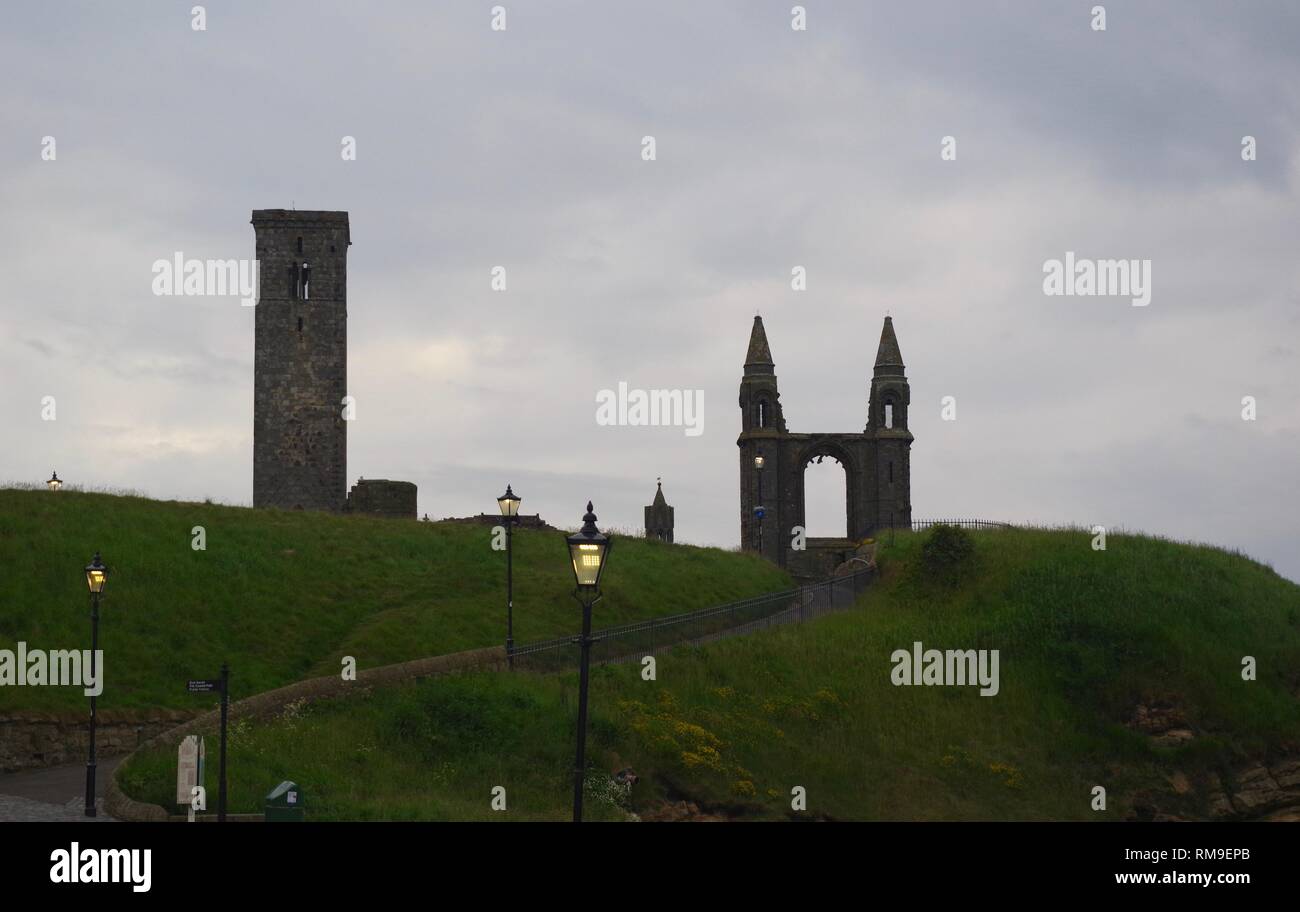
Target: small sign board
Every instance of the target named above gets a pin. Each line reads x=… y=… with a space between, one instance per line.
x=199 y=687
x=189 y=768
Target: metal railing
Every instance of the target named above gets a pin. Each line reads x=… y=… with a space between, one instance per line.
x=631 y=642
x=919 y=524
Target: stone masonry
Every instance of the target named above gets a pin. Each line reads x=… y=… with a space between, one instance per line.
x=875 y=461
x=300 y=364
x=381 y=497
x=659 y=518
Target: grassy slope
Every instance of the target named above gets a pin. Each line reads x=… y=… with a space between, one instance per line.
x=1083 y=637
x=283 y=596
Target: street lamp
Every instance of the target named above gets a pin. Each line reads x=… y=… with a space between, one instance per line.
x=55 y=482
x=588 y=548
x=96 y=577
x=509 y=505
x=759 y=512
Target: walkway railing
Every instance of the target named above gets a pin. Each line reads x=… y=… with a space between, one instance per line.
x=919 y=524
x=630 y=642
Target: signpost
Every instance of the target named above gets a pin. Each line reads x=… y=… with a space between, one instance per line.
x=221 y=685
x=190 y=757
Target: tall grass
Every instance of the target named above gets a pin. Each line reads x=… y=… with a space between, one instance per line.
x=1083 y=638
x=285 y=595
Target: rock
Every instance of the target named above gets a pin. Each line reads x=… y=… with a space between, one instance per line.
x=1158 y=717
x=1287 y=774
x=1221 y=805
x=1256 y=791
x=1173 y=738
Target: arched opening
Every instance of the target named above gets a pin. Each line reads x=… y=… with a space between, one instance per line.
x=762 y=413
x=893 y=414
x=825 y=497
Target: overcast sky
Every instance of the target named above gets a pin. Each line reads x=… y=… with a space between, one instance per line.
x=775 y=148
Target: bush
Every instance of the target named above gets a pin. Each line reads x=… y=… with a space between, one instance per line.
x=947 y=553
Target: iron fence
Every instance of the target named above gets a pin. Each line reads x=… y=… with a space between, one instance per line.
x=919 y=524
x=631 y=642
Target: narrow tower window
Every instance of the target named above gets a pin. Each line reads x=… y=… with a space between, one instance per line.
x=306 y=281
x=891 y=465
x=762 y=413
x=300 y=324
x=300 y=245
x=889 y=414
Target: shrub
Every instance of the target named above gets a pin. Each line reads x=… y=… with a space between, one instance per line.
x=947 y=553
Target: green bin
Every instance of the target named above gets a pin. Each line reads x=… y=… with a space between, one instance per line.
x=284 y=804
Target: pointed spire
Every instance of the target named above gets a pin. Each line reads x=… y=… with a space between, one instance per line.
x=759 y=355
x=888 y=354
x=659 y=495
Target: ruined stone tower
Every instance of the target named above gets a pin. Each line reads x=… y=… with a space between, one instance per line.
x=300 y=363
x=659 y=518
x=876 y=463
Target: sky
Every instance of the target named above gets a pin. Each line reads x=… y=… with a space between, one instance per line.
x=775 y=148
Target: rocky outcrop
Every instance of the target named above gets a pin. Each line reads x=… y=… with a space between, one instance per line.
x=1269 y=790
x=1259 y=789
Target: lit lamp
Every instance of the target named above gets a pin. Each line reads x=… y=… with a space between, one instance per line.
x=509 y=505
x=96 y=577
x=55 y=482
x=588 y=548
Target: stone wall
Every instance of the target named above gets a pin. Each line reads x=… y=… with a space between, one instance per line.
x=381 y=497
x=300 y=360
x=34 y=740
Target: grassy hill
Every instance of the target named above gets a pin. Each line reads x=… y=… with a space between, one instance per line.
x=1084 y=637
x=284 y=595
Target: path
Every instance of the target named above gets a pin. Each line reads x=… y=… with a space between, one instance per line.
x=57 y=793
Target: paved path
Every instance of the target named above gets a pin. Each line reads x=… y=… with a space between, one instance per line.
x=57 y=793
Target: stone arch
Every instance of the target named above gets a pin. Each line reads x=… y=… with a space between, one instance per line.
x=842 y=453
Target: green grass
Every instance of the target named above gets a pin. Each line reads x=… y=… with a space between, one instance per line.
x=285 y=595
x=1083 y=637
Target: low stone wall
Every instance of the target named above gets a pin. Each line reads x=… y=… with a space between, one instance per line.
x=820 y=558
x=381 y=497
x=267 y=704
x=36 y=740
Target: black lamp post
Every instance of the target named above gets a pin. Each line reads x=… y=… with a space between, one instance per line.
x=588 y=548
x=55 y=482
x=759 y=511
x=96 y=576
x=509 y=505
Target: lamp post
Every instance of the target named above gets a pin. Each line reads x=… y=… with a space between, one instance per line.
x=759 y=511
x=96 y=576
x=588 y=548
x=509 y=505
x=55 y=482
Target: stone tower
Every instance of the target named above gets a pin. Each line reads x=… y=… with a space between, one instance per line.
x=659 y=518
x=300 y=363
x=876 y=463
